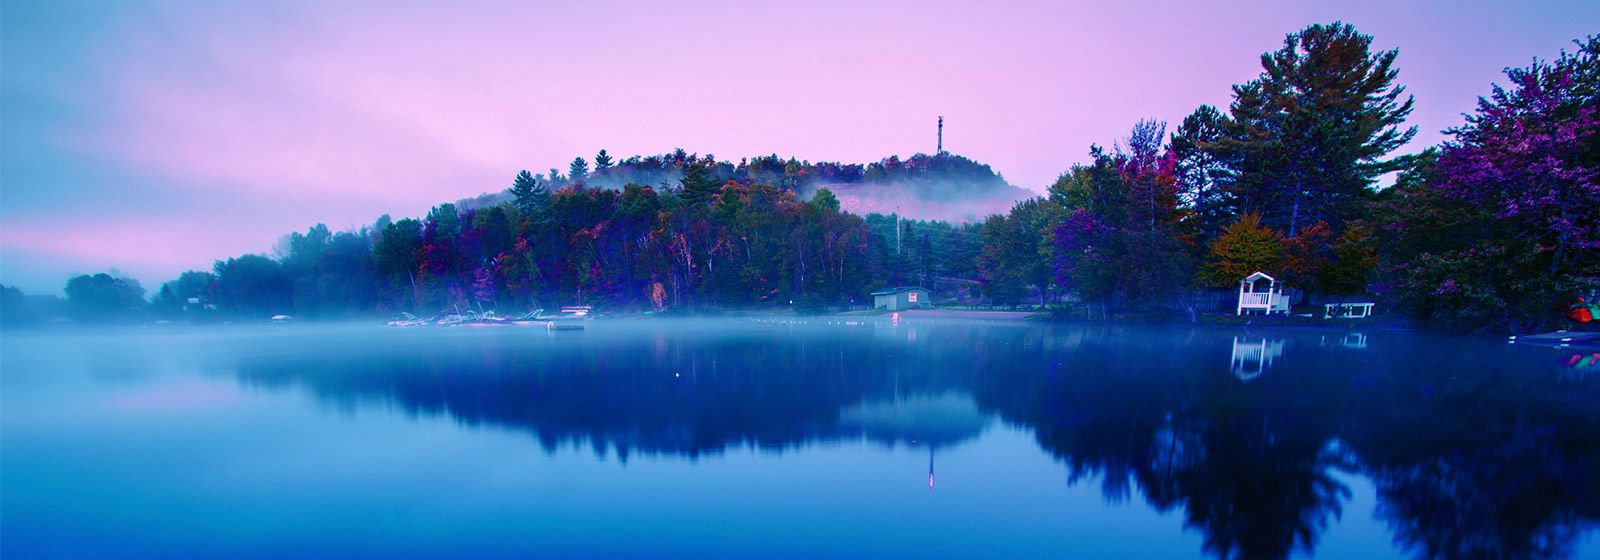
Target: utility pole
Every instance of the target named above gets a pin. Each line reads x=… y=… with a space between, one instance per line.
x=941 y=136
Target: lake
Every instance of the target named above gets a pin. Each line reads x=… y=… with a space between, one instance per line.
x=830 y=437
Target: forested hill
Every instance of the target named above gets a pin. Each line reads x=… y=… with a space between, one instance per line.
x=942 y=186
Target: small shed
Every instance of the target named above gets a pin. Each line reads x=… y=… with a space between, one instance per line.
x=903 y=297
x=1259 y=292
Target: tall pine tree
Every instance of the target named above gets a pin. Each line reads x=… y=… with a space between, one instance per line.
x=1202 y=176
x=578 y=170
x=698 y=185
x=528 y=195
x=1310 y=135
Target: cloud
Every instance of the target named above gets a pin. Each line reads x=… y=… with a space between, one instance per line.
x=265 y=116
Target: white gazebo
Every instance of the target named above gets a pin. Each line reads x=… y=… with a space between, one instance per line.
x=1267 y=298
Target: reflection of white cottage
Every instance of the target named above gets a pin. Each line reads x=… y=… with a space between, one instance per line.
x=1259 y=292
x=1251 y=357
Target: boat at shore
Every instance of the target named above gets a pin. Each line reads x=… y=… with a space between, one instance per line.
x=570 y=318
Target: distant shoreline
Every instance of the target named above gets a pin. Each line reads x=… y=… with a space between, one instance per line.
x=968 y=314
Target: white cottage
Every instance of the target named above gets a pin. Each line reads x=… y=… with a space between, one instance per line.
x=1259 y=292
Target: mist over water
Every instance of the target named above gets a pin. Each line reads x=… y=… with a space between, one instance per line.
x=784 y=437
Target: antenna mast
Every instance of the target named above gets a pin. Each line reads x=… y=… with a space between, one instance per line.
x=941 y=135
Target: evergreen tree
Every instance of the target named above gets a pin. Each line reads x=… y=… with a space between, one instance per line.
x=602 y=163
x=1202 y=175
x=1309 y=136
x=528 y=194
x=447 y=221
x=578 y=170
x=698 y=185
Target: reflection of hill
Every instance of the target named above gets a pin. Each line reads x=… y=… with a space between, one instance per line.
x=1487 y=453
x=934 y=420
x=652 y=392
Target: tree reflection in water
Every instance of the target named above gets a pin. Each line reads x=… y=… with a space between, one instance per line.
x=1485 y=462
x=1477 y=450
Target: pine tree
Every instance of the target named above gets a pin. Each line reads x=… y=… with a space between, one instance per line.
x=698 y=185
x=1308 y=136
x=528 y=195
x=602 y=162
x=1202 y=175
x=578 y=170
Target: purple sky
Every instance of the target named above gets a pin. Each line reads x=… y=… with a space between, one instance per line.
x=158 y=136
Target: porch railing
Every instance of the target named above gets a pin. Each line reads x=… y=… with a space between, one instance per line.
x=1258 y=299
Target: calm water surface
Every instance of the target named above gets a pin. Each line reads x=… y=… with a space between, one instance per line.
x=825 y=437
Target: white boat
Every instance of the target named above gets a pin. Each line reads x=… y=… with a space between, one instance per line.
x=407 y=320
x=453 y=319
x=571 y=318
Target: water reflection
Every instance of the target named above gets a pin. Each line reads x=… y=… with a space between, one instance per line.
x=1252 y=356
x=1477 y=450
x=918 y=421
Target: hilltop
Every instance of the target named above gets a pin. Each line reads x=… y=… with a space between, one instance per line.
x=941 y=186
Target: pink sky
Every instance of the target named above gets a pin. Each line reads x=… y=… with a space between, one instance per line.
x=173 y=134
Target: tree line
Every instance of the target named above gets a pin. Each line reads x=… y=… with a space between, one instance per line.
x=1495 y=228
x=1498 y=228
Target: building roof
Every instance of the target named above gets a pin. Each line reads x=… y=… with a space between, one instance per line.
x=1258 y=275
x=897 y=290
